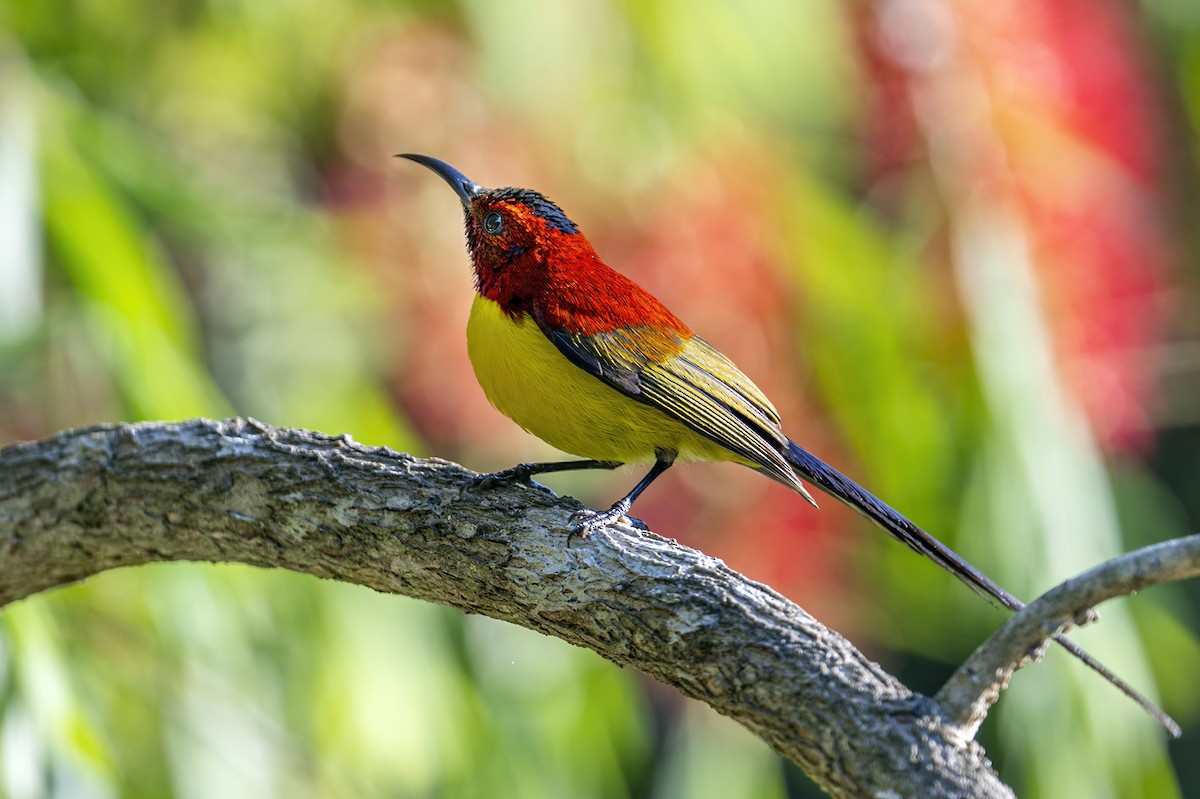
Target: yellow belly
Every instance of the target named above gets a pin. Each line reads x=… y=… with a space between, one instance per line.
x=528 y=380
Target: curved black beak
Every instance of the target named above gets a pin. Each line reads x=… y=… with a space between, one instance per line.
x=463 y=186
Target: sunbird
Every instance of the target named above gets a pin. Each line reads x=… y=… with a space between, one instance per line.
x=588 y=361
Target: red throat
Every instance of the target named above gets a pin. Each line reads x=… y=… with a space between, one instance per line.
x=558 y=278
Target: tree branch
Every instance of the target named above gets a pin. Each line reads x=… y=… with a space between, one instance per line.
x=89 y=500
x=974 y=687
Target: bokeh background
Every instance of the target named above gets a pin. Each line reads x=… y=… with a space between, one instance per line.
x=955 y=242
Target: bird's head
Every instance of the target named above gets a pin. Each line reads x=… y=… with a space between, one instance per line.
x=518 y=239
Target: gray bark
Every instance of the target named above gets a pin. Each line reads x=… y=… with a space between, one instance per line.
x=89 y=500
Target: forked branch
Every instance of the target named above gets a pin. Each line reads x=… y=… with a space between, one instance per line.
x=974 y=687
x=85 y=501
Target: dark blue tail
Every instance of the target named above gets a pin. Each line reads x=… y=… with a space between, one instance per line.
x=836 y=484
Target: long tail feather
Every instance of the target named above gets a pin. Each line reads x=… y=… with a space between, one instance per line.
x=838 y=485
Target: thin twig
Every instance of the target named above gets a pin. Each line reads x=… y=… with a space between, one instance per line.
x=974 y=687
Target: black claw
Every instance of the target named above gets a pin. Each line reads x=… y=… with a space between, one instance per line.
x=521 y=473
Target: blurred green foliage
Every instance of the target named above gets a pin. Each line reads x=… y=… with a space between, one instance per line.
x=213 y=226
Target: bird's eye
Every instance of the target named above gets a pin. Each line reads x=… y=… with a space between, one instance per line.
x=493 y=223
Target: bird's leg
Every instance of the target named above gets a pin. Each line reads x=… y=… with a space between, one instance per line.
x=524 y=472
x=585 y=522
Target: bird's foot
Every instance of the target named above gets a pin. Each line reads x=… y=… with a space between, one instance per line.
x=586 y=521
x=521 y=473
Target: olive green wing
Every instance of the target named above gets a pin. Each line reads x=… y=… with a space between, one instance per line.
x=691 y=381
